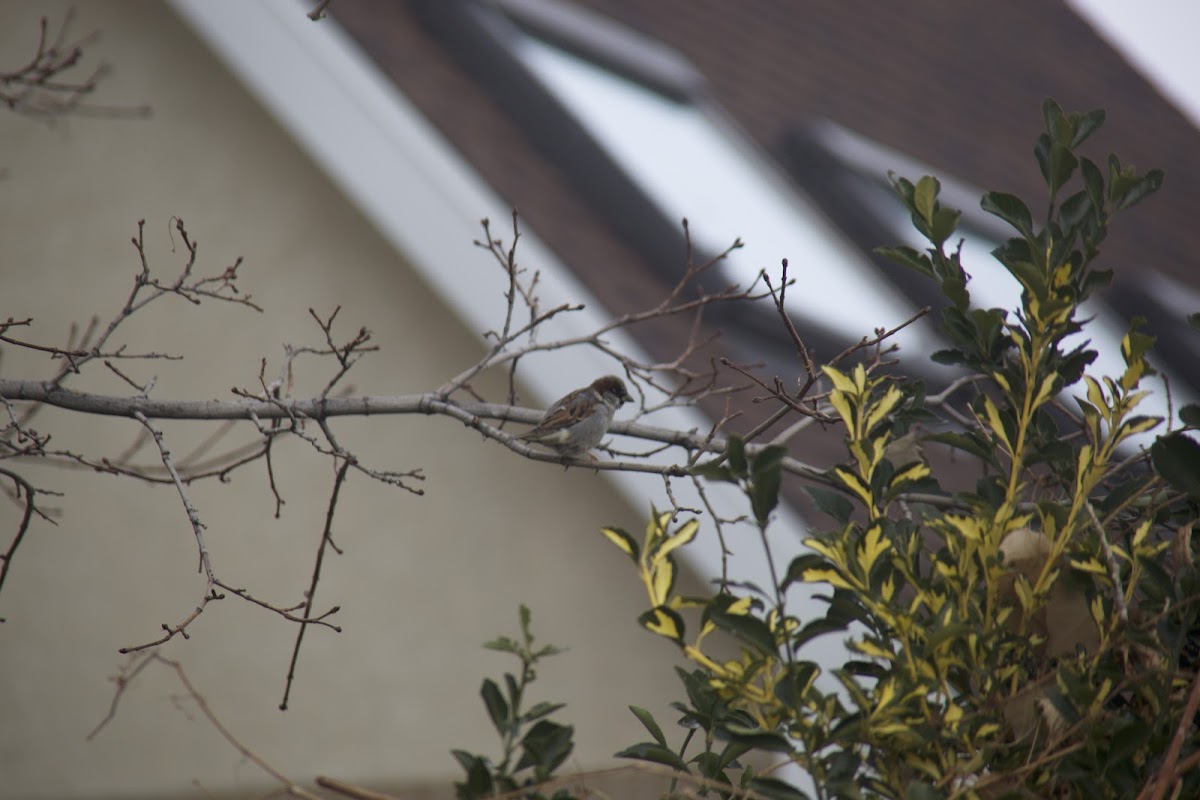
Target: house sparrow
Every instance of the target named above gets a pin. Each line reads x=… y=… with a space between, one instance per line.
x=576 y=423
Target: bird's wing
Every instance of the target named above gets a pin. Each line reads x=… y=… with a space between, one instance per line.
x=563 y=414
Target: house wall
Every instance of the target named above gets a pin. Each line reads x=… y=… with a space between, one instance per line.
x=422 y=580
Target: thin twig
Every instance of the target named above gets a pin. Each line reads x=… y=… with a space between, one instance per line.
x=1172 y=770
x=1114 y=571
x=310 y=595
x=197 y=530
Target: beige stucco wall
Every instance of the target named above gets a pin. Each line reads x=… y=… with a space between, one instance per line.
x=423 y=581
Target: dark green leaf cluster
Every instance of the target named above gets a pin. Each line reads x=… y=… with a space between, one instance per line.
x=534 y=746
x=757 y=473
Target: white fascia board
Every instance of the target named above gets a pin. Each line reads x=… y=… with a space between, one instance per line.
x=427 y=201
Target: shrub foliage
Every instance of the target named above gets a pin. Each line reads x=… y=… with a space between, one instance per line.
x=1031 y=635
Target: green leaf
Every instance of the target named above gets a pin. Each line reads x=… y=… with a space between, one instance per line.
x=794 y=684
x=1190 y=415
x=1086 y=124
x=817 y=627
x=968 y=443
x=1056 y=162
x=945 y=220
x=1011 y=209
x=907 y=257
x=750 y=630
x=647 y=720
x=479 y=776
x=948 y=357
x=709 y=765
x=503 y=644
x=765 y=475
x=540 y=710
x=545 y=747
x=1127 y=191
x=1128 y=742
x=1030 y=276
x=497 y=708
x=1075 y=209
x=925 y=198
x=735 y=453
x=1053 y=118
x=830 y=502
x=715 y=470
x=1177 y=459
x=548 y=650
x=704 y=699
x=1194 y=321
x=731 y=753
x=922 y=791
x=654 y=753
x=525 y=616
x=775 y=789
x=1093 y=181
x=759 y=739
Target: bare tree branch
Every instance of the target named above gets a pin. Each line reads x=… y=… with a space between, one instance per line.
x=40 y=88
x=22 y=487
x=123 y=681
x=274 y=410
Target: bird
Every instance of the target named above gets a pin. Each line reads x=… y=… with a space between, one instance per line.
x=577 y=422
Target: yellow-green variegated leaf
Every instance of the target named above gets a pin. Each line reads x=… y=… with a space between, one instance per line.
x=1132 y=399
x=1024 y=592
x=969 y=528
x=1134 y=371
x=873 y=650
x=843 y=408
x=656 y=527
x=986 y=731
x=825 y=575
x=622 y=540
x=1137 y=425
x=664 y=622
x=853 y=483
x=1090 y=565
x=1085 y=463
x=874 y=545
x=741 y=606
x=1095 y=394
x=884 y=695
x=823 y=549
x=910 y=475
x=881 y=408
x=994 y=422
x=841 y=382
x=662 y=578
x=860 y=379
x=1045 y=390
x=687 y=531
x=1141 y=533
